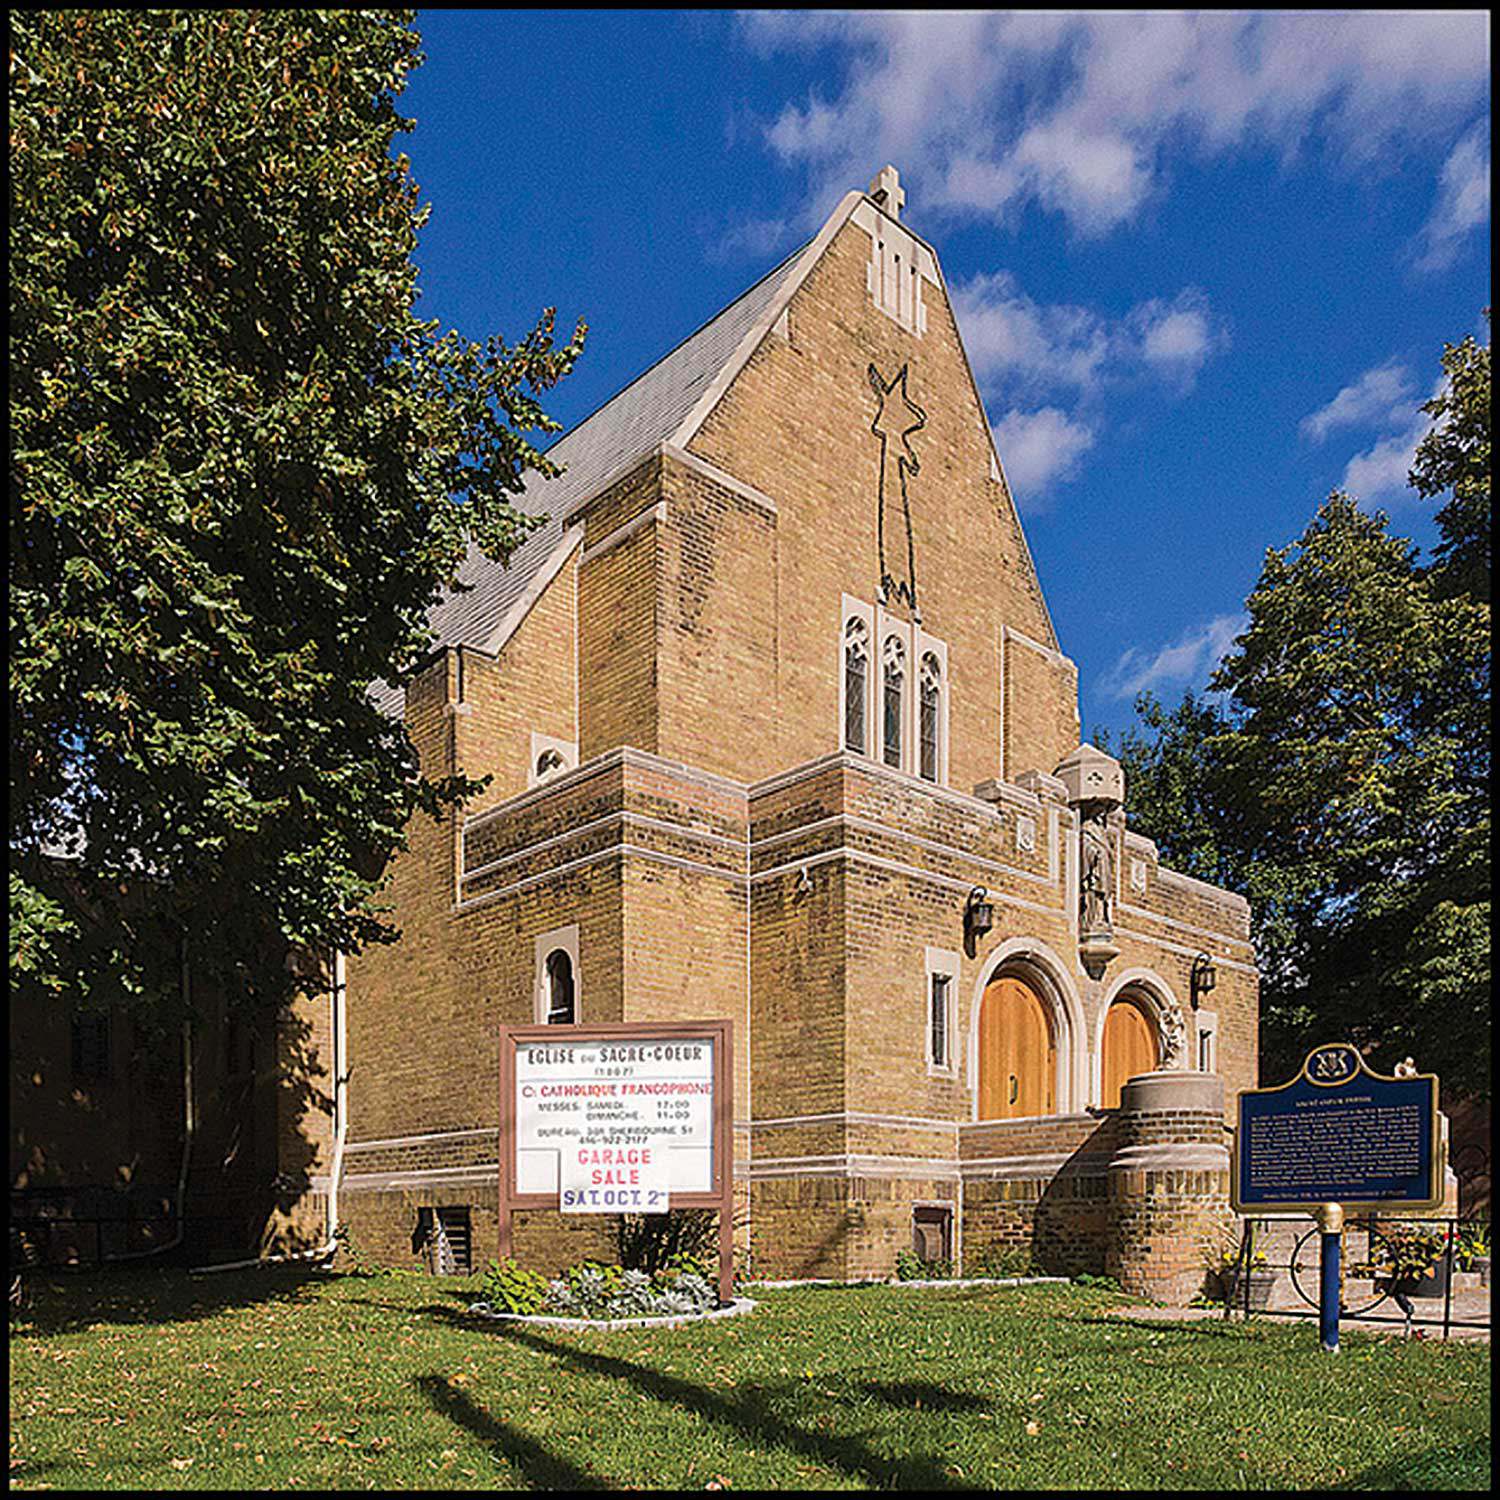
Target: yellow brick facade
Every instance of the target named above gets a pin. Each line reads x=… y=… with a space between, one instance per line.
x=722 y=853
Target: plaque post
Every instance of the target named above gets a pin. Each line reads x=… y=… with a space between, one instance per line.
x=1330 y=1217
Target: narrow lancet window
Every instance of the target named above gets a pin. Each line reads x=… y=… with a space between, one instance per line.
x=856 y=673
x=895 y=678
x=938 y=1020
x=930 y=717
x=560 y=1008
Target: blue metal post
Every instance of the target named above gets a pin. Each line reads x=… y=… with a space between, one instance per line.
x=1330 y=1218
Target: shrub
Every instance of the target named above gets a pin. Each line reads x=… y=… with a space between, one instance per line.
x=1110 y=1284
x=1473 y=1244
x=1003 y=1260
x=511 y=1288
x=653 y=1242
x=911 y=1267
x=592 y=1290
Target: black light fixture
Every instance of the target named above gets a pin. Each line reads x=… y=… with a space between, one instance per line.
x=979 y=917
x=1201 y=978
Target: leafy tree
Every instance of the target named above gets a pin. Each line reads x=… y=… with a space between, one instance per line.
x=241 y=469
x=1455 y=456
x=1343 y=787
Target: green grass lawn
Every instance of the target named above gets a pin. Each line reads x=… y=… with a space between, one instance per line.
x=275 y=1378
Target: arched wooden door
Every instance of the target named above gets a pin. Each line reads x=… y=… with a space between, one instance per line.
x=1017 y=1056
x=1129 y=1048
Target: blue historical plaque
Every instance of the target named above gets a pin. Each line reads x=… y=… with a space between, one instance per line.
x=1338 y=1133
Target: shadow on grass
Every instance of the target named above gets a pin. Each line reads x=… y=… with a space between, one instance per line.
x=911 y=1394
x=1194 y=1328
x=1460 y=1466
x=543 y=1469
x=751 y=1411
x=73 y=1302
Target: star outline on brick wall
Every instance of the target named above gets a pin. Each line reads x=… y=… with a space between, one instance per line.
x=898 y=420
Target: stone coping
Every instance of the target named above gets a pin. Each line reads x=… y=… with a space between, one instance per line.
x=940 y=1281
x=733 y=1310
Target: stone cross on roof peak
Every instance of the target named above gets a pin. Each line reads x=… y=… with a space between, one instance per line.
x=886 y=190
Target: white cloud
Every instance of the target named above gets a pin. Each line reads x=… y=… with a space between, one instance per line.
x=1463 y=203
x=1077 y=111
x=1035 y=346
x=1378 y=475
x=1006 y=333
x=1175 y=338
x=1040 y=449
x=1379 y=397
x=1190 y=658
x=1023 y=350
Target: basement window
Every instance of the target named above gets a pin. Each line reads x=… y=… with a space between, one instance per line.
x=446 y=1232
x=932 y=1232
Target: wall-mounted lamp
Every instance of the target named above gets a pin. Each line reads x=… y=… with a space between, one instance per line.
x=979 y=917
x=1201 y=978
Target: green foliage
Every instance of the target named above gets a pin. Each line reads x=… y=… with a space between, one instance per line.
x=513 y=1288
x=1099 y=1283
x=1403 y=1254
x=1473 y=1244
x=1343 y=786
x=241 y=470
x=652 y=1242
x=911 y=1267
x=592 y=1289
x=1001 y=1261
x=1455 y=458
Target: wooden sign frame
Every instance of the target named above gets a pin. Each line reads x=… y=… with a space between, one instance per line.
x=720 y=1194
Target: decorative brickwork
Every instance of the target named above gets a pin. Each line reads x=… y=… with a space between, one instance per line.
x=721 y=854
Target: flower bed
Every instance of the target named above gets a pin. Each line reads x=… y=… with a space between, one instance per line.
x=594 y=1292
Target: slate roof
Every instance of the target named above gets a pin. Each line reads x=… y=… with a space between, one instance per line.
x=647 y=412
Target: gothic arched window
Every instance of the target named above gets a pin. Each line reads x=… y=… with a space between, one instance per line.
x=930 y=721
x=895 y=678
x=856 y=674
x=560 y=1008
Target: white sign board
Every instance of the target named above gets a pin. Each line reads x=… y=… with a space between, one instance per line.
x=616 y=1179
x=582 y=1108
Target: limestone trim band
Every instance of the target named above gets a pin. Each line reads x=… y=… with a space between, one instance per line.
x=872 y=825
x=850 y=1164
x=623 y=533
x=857 y=1117
x=482 y=1132
x=622 y=816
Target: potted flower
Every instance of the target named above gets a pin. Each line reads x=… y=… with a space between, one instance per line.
x=1229 y=1259
x=1407 y=1260
x=1472 y=1250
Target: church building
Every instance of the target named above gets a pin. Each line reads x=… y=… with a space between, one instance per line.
x=779 y=730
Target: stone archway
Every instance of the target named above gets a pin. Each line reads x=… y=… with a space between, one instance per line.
x=1017 y=1052
x=1140 y=1022
x=1039 y=994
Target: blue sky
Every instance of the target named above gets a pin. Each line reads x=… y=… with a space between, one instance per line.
x=1204 y=265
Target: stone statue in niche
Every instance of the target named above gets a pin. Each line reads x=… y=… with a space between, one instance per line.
x=896 y=417
x=1095 y=789
x=1096 y=878
x=1173 y=1031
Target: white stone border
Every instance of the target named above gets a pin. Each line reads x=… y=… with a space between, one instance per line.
x=942 y=1281
x=733 y=1310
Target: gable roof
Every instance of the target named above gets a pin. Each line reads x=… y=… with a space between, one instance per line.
x=666 y=403
x=627 y=427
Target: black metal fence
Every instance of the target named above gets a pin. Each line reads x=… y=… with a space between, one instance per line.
x=1382 y=1251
